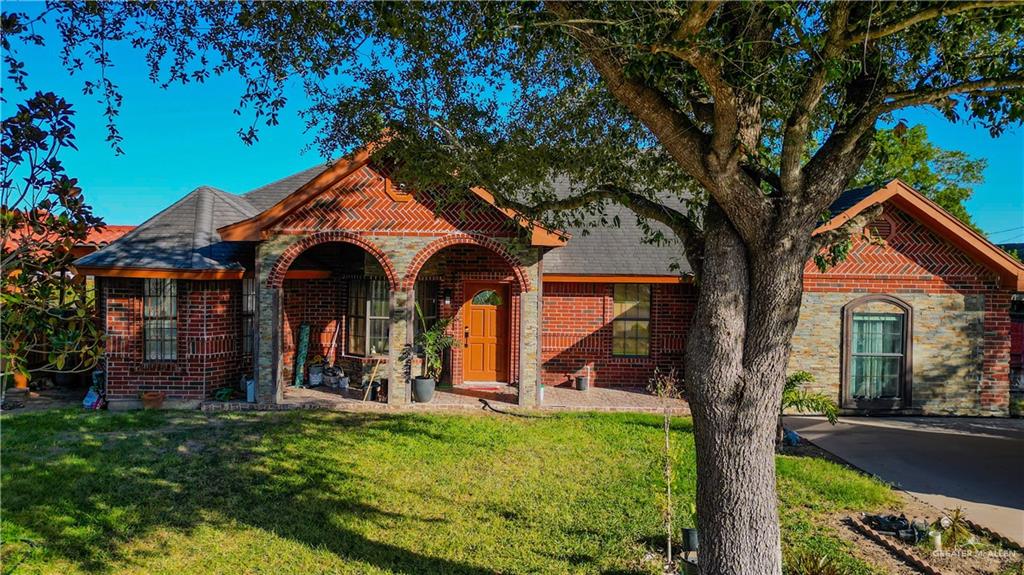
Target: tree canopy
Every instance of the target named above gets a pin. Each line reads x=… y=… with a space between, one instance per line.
x=946 y=177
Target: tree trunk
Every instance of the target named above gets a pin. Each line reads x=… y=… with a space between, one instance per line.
x=736 y=358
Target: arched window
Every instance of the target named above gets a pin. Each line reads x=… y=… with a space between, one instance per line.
x=487 y=297
x=877 y=360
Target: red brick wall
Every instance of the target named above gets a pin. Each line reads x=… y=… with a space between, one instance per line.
x=577 y=320
x=209 y=340
x=359 y=203
x=321 y=304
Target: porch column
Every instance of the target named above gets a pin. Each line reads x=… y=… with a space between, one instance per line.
x=267 y=358
x=399 y=339
x=529 y=334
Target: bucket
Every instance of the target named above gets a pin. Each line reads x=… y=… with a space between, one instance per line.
x=343 y=382
x=316 y=375
x=582 y=382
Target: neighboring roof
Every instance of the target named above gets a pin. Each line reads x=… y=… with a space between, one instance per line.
x=616 y=251
x=103 y=235
x=851 y=203
x=181 y=237
x=1016 y=248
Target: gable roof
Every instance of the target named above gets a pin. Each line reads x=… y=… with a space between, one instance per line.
x=853 y=202
x=284 y=199
x=181 y=238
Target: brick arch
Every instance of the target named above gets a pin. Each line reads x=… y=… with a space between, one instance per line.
x=276 y=277
x=464 y=239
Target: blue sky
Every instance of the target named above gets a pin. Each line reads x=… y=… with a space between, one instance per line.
x=180 y=138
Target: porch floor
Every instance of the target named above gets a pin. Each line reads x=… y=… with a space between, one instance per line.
x=467 y=397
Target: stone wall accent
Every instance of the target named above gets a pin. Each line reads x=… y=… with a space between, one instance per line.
x=209 y=340
x=961 y=318
x=578 y=332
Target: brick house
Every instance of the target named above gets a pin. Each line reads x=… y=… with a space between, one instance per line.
x=216 y=287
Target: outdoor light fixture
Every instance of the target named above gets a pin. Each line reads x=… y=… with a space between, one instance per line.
x=446 y=296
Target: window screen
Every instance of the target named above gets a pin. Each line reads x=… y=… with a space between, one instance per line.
x=160 y=319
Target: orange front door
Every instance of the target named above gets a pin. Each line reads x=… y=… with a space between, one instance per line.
x=485 y=318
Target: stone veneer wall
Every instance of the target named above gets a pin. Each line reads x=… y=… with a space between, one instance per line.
x=209 y=341
x=960 y=319
x=578 y=332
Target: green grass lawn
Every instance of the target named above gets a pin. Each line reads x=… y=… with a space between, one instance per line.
x=319 y=492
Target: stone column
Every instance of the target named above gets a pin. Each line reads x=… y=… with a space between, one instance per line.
x=398 y=340
x=529 y=331
x=268 y=321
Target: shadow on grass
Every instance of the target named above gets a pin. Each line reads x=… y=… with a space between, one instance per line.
x=123 y=477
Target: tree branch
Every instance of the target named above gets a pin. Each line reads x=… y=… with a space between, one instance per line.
x=897 y=100
x=845 y=230
x=681 y=137
x=698 y=15
x=953 y=8
x=798 y=124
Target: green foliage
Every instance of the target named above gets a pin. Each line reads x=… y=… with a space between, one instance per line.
x=946 y=177
x=803 y=401
x=504 y=95
x=958 y=533
x=433 y=340
x=369 y=493
x=804 y=563
x=46 y=317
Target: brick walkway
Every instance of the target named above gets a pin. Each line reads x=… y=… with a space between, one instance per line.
x=466 y=398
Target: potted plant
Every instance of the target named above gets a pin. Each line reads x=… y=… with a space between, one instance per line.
x=152 y=399
x=431 y=342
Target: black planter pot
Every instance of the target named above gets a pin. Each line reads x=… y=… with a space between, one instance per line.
x=423 y=389
x=690 y=540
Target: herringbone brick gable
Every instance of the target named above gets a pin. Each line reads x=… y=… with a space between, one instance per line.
x=359 y=203
x=907 y=248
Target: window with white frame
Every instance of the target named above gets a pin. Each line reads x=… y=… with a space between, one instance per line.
x=369 y=320
x=160 y=319
x=248 y=314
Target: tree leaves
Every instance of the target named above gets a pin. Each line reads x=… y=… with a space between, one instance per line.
x=47 y=324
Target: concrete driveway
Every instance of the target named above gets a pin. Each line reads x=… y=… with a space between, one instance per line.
x=974 y=463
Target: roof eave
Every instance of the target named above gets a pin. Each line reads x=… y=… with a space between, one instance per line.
x=170 y=273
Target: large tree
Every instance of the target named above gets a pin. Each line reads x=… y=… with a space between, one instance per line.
x=735 y=124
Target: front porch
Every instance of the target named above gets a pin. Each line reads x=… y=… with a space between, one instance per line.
x=359 y=302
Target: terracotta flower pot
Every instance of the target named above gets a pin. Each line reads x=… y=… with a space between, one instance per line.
x=20 y=381
x=152 y=399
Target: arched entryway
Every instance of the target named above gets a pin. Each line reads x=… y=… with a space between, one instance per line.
x=334 y=297
x=478 y=285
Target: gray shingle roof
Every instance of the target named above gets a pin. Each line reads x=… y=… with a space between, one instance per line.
x=621 y=251
x=266 y=196
x=850 y=197
x=610 y=250
x=183 y=236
